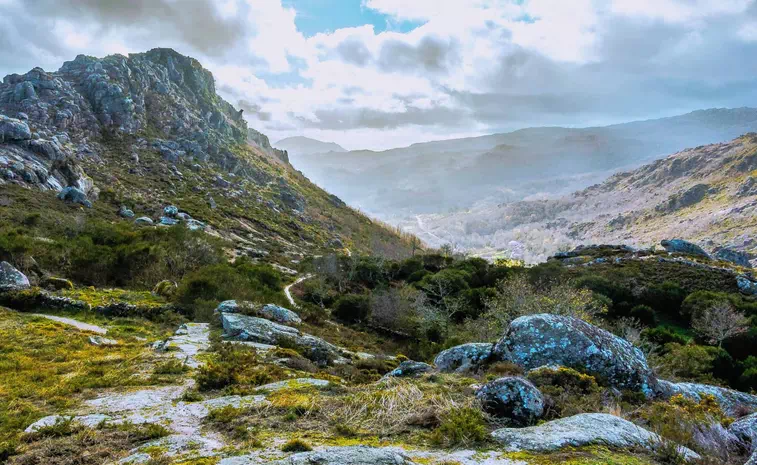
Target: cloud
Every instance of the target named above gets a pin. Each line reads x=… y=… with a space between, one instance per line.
x=466 y=68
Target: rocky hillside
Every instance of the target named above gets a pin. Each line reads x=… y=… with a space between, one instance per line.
x=130 y=136
x=706 y=194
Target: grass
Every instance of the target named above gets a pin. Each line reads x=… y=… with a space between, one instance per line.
x=47 y=367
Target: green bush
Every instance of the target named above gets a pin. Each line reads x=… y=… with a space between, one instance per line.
x=665 y=298
x=645 y=314
x=417 y=276
x=662 y=336
x=296 y=445
x=460 y=427
x=352 y=308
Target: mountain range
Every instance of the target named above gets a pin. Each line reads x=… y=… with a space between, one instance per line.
x=442 y=176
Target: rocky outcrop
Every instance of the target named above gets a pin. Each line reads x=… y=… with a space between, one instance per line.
x=254 y=329
x=280 y=314
x=544 y=339
x=730 y=401
x=727 y=254
x=11 y=279
x=75 y=195
x=351 y=455
x=12 y=130
x=683 y=247
x=581 y=430
x=745 y=430
x=262 y=142
x=514 y=400
x=409 y=369
x=463 y=358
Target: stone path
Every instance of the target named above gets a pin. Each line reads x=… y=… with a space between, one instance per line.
x=71 y=322
x=190 y=340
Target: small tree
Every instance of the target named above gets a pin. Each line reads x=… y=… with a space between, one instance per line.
x=719 y=322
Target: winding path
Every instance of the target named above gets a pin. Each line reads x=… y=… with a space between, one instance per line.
x=287 y=290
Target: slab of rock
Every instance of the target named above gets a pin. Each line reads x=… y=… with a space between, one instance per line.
x=581 y=430
x=684 y=247
x=254 y=329
x=730 y=401
x=280 y=314
x=512 y=399
x=352 y=455
x=290 y=383
x=745 y=430
x=11 y=279
x=463 y=358
x=409 y=369
x=12 y=130
x=545 y=339
x=87 y=421
x=102 y=341
x=144 y=221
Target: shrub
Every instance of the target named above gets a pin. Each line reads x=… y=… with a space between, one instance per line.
x=665 y=298
x=569 y=392
x=296 y=445
x=352 y=308
x=645 y=314
x=460 y=427
x=662 y=335
x=696 y=363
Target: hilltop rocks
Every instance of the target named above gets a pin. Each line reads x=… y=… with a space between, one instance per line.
x=734 y=256
x=730 y=401
x=12 y=130
x=11 y=279
x=579 y=431
x=683 y=247
x=463 y=358
x=409 y=369
x=513 y=399
x=351 y=455
x=75 y=195
x=545 y=339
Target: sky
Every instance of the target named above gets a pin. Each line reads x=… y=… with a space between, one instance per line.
x=378 y=74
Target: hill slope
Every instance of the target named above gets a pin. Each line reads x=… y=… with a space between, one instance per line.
x=307 y=146
x=438 y=176
x=706 y=194
x=147 y=131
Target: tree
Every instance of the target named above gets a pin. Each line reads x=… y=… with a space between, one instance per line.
x=719 y=322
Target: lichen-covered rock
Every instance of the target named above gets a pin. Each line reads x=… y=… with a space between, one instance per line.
x=463 y=358
x=171 y=211
x=745 y=430
x=11 y=279
x=683 y=247
x=545 y=339
x=351 y=455
x=12 y=129
x=730 y=401
x=746 y=285
x=125 y=212
x=727 y=254
x=582 y=430
x=254 y=329
x=75 y=195
x=409 y=369
x=166 y=221
x=228 y=306
x=512 y=399
x=280 y=314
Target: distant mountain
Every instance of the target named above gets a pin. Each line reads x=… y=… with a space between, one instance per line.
x=298 y=146
x=440 y=176
x=706 y=194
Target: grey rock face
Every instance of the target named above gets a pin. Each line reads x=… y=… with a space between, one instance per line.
x=409 y=369
x=11 y=279
x=745 y=430
x=544 y=339
x=12 y=129
x=353 y=455
x=463 y=358
x=684 y=247
x=254 y=329
x=513 y=399
x=578 y=431
x=75 y=195
x=269 y=312
x=734 y=256
x=730 y=401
